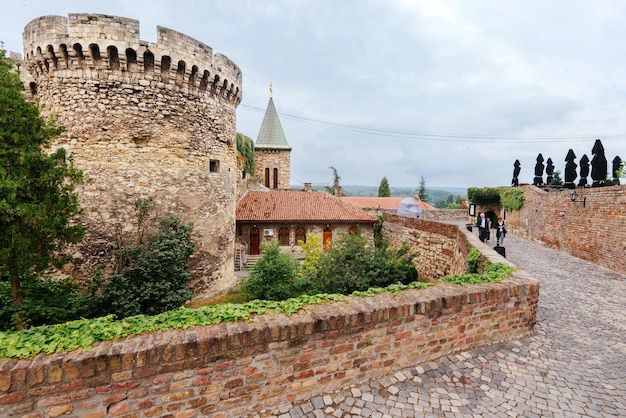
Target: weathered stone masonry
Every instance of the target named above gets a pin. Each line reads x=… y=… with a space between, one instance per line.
x=143 y=120
x=440 y=249
x=240 y=369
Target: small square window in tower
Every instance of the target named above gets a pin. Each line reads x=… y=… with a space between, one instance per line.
x=214 y=166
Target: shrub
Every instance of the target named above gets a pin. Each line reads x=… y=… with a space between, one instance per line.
x=354 y=265
x=312 y=250
x=151 y=277
x=46 y=301
x=473 y=260
x=492 y=273
x=274 y=277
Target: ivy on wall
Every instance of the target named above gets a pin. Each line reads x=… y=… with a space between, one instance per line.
x=245 y=148
x=510 y=198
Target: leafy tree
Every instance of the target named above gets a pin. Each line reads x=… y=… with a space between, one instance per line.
x=274 y=276
x=422 y=193
x=383 y=188
x=37 y=191
x=151 y=276
x=353 y=264
x=336 y=179
x=46 y=301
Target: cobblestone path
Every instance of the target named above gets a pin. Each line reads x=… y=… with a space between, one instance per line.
x=573 y=366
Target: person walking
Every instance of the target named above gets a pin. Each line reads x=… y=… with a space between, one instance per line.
x=500 y=231
x=483 y=226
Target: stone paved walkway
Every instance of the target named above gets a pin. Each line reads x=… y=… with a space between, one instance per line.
x=573 y=366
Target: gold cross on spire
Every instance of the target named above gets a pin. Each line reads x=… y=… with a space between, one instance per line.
x=271 y=94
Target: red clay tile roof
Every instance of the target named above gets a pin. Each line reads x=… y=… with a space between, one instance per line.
x=297 y=206
x=382 y=202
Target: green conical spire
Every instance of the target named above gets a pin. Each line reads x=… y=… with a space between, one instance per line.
x=271 y=134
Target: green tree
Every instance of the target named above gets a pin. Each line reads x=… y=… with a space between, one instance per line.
x=422 y=193
x=354 y=264
x=383 y=188
x=37 y=191
x=274 y=276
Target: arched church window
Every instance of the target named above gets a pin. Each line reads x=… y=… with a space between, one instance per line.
x=267 y=177
x=300 y=235
x=283 y=236
x=275 y=185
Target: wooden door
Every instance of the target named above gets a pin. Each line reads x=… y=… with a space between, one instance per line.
x=327 y=239
x=254 y=241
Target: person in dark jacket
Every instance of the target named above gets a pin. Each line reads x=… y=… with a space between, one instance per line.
x=483 y=226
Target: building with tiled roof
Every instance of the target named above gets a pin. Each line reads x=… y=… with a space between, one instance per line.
x=272 y=153
x=288 y=215
x=383 y=203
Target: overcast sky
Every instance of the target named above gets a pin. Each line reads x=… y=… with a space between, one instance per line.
x=454 y=91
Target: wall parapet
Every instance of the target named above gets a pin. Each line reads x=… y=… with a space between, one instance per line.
x=87 y=44
x=235 y=369
x=595 y=231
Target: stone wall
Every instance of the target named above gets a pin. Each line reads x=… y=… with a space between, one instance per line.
x=594 y=232
x=273 y=159
x=445 y=215
x=244 y=368
x=441 y=248
x=144 y=120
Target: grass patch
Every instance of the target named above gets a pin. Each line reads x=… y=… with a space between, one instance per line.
x=492 y=273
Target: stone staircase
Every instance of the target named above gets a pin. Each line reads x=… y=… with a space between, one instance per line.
x=251 y=261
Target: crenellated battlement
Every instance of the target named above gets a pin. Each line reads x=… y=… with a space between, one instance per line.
x=142 y=120
x=95 y=46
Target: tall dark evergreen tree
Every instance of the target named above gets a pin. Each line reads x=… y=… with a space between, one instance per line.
x=37 y=195
x=383 y=189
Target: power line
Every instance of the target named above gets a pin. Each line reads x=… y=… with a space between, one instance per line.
x=444 y=137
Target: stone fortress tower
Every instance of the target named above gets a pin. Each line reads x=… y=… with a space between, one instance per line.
x=272 y=153
x=144 y=120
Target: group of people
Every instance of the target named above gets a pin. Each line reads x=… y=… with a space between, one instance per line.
x=484 y=229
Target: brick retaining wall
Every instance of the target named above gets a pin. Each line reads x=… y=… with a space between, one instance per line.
x=244 y=368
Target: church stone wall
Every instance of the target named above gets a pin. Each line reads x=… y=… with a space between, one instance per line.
x=144 y=120
x=272 y=158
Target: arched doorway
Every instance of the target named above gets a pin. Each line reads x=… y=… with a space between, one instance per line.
x=327 y=240
x=254 y=241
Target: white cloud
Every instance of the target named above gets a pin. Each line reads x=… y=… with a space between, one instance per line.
x=477 y=74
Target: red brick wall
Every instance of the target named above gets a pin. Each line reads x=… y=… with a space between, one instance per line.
x=594 y=232
x=236 y=369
